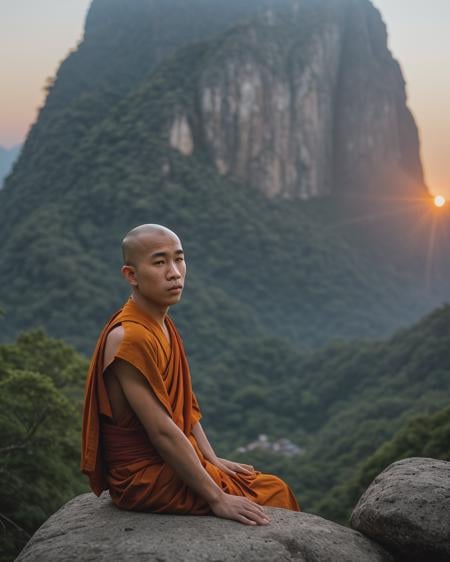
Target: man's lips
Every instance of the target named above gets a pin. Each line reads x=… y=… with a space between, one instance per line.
x=175 y=288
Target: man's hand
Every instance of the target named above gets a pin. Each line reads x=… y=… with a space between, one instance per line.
x=231 y=467
x=239 y=509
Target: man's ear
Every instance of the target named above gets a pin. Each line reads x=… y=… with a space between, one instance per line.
x=129 y=272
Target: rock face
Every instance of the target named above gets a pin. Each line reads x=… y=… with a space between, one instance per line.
x=89 y=528
x=407 y=508
x=307 y=100
x=268 y=123
x=181 y=136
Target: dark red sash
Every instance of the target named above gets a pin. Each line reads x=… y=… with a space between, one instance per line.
x=124 y=446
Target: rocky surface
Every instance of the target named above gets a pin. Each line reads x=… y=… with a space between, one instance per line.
x=404 y=516
x=407 y=508
x=91 y=528
x=308 y=100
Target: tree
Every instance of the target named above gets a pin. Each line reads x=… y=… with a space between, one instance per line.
x=40 y=405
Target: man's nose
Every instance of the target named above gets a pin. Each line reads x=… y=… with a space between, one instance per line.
x=174 y=270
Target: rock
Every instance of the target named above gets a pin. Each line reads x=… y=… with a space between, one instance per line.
x=305 y=106
x=91 y=528
x=181 y=136
x=407 y=508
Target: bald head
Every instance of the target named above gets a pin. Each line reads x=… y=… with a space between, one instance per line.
x=141 y=239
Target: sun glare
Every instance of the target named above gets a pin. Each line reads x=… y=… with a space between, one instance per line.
x=439 y=200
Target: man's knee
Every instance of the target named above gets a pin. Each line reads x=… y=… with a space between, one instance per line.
x=279 y=482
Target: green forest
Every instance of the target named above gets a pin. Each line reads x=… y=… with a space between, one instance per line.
x=41 y=385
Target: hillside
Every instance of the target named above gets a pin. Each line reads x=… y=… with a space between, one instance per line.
x=107 y=153
x=426 y=435
x=354 y=408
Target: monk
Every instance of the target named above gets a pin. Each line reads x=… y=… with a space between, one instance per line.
x=142 y=439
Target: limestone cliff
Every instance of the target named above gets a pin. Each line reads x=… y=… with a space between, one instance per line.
x=305 y=100
x=298 y=98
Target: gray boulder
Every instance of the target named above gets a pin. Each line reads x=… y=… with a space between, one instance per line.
x=91 y=528
x=407 y=509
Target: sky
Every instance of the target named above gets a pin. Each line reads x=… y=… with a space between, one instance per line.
x=36 y=35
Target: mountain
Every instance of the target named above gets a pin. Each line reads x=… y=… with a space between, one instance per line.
x=177 y=112
x=7 y=158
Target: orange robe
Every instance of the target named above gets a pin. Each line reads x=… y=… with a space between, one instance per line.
x=119 y=455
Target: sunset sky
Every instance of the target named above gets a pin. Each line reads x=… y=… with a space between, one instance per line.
x=36 y=36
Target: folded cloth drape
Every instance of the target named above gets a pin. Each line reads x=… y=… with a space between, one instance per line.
x=118 y=455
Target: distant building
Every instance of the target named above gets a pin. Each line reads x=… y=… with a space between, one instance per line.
x=282 y=446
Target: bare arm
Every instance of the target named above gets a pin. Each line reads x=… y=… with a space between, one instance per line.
x=230 y=467
x=176 y=449
x=203 y=443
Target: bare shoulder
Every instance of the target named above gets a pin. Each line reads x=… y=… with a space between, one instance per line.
x=113 y=341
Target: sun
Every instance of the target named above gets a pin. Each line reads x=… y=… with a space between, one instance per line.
x=439 y=201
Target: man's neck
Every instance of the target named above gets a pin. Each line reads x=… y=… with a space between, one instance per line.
x=156 y=313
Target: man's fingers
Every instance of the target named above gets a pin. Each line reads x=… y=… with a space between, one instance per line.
x=253 y=507
x=259 y=512
x=245 y=520
x=243 y=469
x=231 y=467
x=241 y=509
x=257 y=517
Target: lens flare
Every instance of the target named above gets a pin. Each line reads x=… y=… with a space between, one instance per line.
x=439 y=200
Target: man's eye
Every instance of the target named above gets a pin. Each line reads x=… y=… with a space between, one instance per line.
x=158 y=262
x=180 y=259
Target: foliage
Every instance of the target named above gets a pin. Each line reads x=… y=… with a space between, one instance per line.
x=41 y=383
x=421 y=436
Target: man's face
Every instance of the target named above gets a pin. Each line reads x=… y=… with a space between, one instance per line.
x=159 y=269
